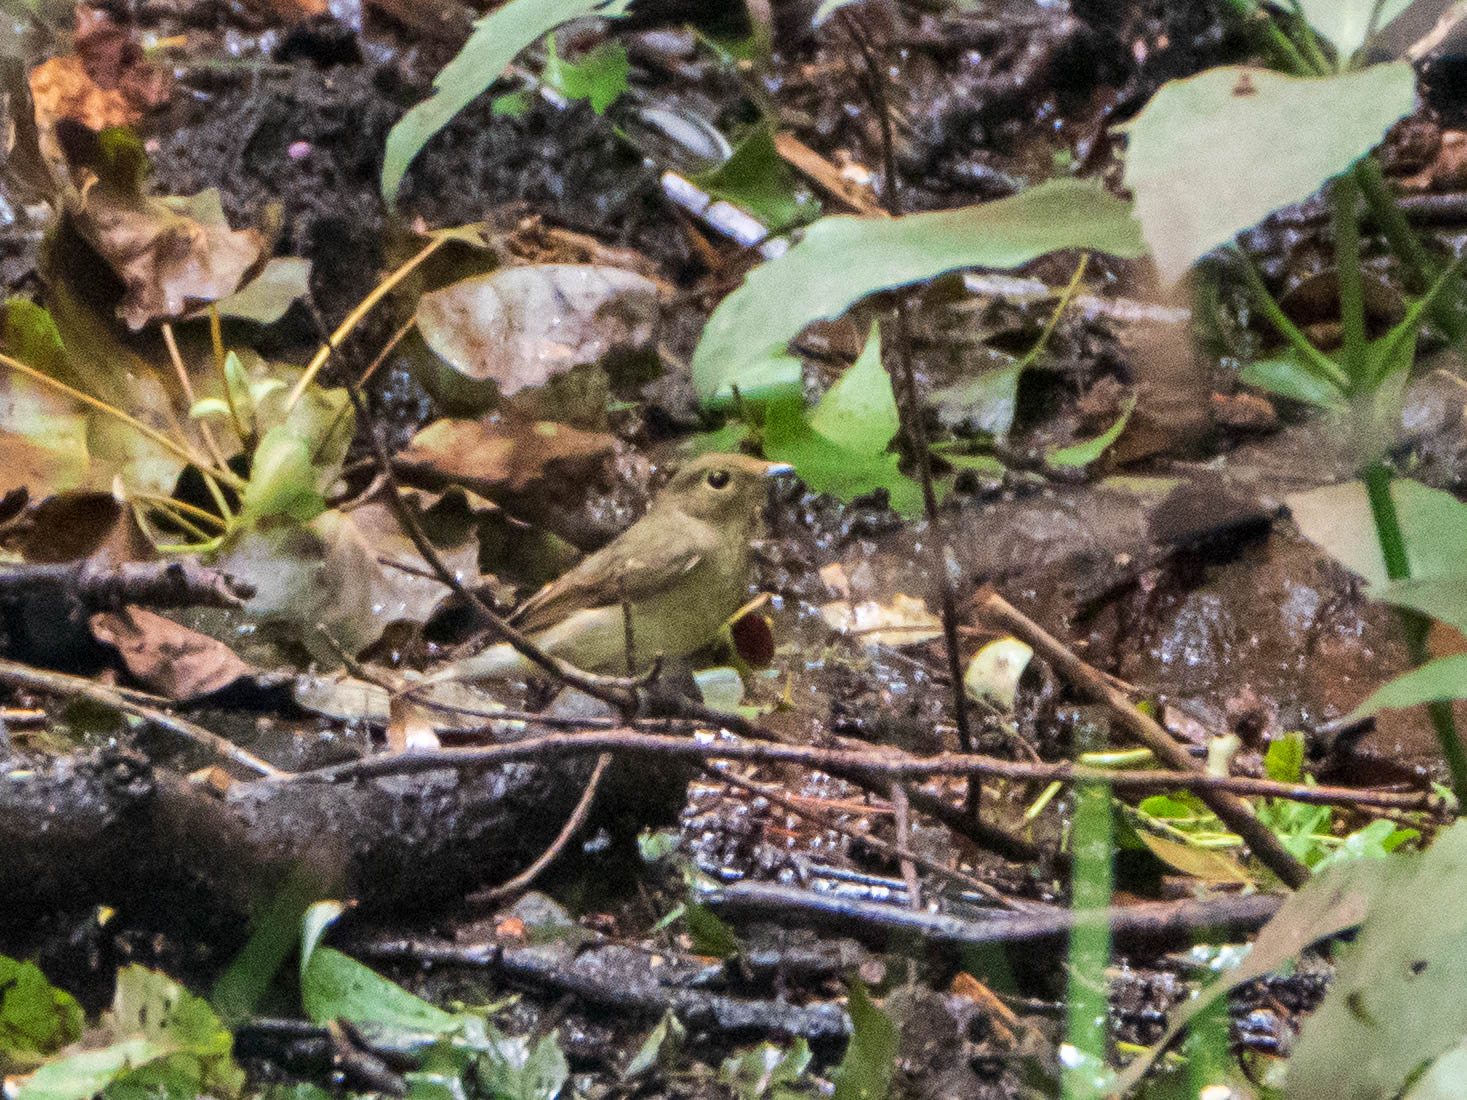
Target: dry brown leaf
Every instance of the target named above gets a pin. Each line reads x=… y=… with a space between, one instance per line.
x=167 y=657
x=904 y=621
x=522 y=326
x=169 y=262
x=494 y=456
x=107 y=82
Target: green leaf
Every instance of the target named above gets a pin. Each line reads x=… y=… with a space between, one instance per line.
x=1290 y=376
x=282 y=482
x=1284 y=761
x=1442 y=679
x=843 y=259
x=1083 y=454
x=860 y=410
x=757 y=178
x=515 y=1070
x=208 y=406
x=335 y=986
x=1338 y=519
x=266 y=297
x=866 y=1070
x=1443 y=598
x=1349 y=23
x=599 y=76
x=495 y=41
x=153 y=1019
x=710 y=935
x=1213 y=154
x=827 y=467
x=766 y=1070
x=1396 y=1001
x=988 y=402
x=36 y=1018
x=661 y=1047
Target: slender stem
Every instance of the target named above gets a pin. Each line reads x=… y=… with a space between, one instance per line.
x=1289 y=57
x=913 y=423
x=1421 y=267
x=1344 y=196
x=1311 y=51
x=210 y=443
x=245 y=431
x=354 y=318
x=173 y=447
x=1414 y=625
x=1320 y=363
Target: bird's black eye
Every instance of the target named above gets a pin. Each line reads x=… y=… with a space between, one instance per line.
x=719 y=479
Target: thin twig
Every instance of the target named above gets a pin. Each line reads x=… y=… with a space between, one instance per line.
x=885 y=766
x=901 y=852
x=59 y=683
x=186 y=384
x=913 y=422
x=354 y=318
x=1236 y=814
x=484 y=899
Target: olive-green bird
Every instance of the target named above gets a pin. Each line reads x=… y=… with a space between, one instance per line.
x=684 y=568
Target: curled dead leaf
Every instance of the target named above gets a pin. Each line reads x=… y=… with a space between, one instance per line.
x=168 y=657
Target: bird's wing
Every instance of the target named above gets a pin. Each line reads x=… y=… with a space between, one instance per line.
x=629 y=568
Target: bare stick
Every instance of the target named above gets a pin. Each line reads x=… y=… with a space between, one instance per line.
x=1236 y=814
x=59 y=683
x=484 y=899
x=913 y=423
x=886 y=766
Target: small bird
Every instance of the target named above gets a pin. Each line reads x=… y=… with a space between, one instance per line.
x=683 y=568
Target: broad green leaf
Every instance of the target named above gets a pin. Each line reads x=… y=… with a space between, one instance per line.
x=710 y=935
x=1213 y=154
x=1338 y=519
x=766 y=1070
x=866 y=1070
x=36 y=1018
x=1442 y=679
x=1083 y=454
x=757 y=178
x=600 y=76
x=1348 y=23
x=282 y=482
x=1284 y=761
x=266 y=297
x=335 y=986
x=661 y=1047
x=1289 y=376
x=1443 y=1081
x=496 y=39
x=986 y=402
x=827 y=467
x=1396 y=1002
x=843 y=259
x=152 y=1019
x=516 y=1070
x=860 y=410
x=1441 y=597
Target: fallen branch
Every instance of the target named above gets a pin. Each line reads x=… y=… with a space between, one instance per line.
x=61 y=684
x=884 y=766
x=1151 y=924
x=1224 y=801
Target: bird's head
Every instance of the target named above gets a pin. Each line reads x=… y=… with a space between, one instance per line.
x=721 y=488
